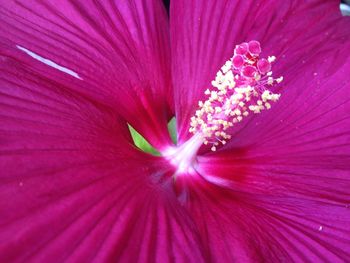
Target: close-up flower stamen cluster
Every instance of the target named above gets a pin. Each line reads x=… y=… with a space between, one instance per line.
x=241 y=87
x=190 y=131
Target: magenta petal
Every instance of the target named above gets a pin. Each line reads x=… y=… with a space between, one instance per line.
x=203 y=37
x=90 y=214
x=74 y=189
x=291 y=207
x=115 y=53
x=206 y=32
x=71 y=180
x=251 y=228
x=281 y=183
x=294 y=162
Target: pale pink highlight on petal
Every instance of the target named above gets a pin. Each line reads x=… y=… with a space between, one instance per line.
x=264 y=66
x=254 y=48
x=242 y=49
x=249 y=71
x=237 y=61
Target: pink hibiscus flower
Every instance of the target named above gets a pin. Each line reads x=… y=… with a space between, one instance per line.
x=74 y=188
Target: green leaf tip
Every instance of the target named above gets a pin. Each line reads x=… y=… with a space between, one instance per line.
x=141 y=143
x=172 y=130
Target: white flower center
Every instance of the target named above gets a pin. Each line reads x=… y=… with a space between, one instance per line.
x=183 y=157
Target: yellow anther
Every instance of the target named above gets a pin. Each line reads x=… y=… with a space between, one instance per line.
x=271 y=59
x=214 y=95
x=279 y=80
